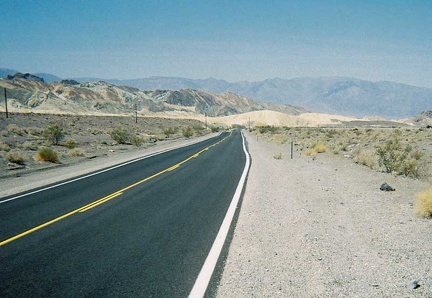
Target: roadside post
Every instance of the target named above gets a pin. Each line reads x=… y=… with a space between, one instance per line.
x=6 y=103
x=292 y=147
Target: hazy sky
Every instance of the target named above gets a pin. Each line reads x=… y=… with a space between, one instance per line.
x=232 y=40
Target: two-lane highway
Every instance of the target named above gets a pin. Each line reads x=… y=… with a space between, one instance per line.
x=140 y=230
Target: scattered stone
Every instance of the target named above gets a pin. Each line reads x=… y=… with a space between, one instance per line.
x=386 y=187
x=14 y=166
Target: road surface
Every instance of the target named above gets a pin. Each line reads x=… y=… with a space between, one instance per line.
x=143 y=229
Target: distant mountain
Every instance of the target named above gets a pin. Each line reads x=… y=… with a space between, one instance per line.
x=6 y=71
x=26 y=91
x=337 y=95
x=49 y=78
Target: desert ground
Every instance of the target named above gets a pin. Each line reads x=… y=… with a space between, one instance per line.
x=316 y=225
x=22 y=135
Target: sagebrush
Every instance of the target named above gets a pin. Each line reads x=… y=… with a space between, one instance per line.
x=47 y=154
x=121 y=135
x=54 y=133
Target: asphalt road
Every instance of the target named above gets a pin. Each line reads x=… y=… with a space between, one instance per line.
x=141 y=230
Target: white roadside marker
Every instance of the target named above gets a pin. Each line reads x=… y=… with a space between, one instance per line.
x=207 y=269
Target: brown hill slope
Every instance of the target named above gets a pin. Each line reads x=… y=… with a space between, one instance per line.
x=28 y=93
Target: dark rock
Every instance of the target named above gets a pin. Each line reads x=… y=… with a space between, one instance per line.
x=386 y=187
x=69 y=82
x=25 y=76
x=414 y=284
x=15 y=166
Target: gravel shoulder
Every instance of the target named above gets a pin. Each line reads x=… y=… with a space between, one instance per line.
x=322 y=228
x=24 y=181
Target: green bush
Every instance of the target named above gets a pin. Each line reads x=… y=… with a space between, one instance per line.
x=399 y=160
x=46 y=154
x=54 y=134
x=120 y=135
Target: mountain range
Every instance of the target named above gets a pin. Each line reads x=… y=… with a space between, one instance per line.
x=334 y=95
x=27 y=91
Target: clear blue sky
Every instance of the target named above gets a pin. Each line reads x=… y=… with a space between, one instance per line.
x=232 y=40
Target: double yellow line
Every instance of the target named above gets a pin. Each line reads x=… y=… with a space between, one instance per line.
x=109 y=197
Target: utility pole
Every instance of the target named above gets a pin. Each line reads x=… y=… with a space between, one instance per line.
x=6 y=103
x=136 y=112
x=292 y=147
x=205 y=115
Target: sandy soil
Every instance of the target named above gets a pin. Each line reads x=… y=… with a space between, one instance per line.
x=321 y=227
x=22 y=134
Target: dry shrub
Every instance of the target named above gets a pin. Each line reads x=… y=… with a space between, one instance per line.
x=4 y=147
x=320 y=148
x=29 y=145
x=187 y=132
x=54 y=133
x=121 y=135
x=137 y=141
x=367 y=159
x=278 y=156
x=423 y=204
x=71 y=143
x=76 y=152
x=46 y=154
x=16 y=156
x=15 y=129
x=310 y=152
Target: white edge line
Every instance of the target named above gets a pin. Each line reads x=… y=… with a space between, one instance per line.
x=207 y=269
x=102 y=171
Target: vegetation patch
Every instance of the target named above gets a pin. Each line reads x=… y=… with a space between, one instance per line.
x=278 y=155
x=121 y=135
x=17 y=157
x=187 y=132
x=76 y=152
x=423 y=204
x=54 y=134
x=137 y=141
x=47 y=154
x=71 y=143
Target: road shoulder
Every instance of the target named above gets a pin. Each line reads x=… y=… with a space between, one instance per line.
x=27 y=181
x=322 y=228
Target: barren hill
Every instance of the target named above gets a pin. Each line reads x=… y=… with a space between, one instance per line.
x=28 y=92
x=336 y=95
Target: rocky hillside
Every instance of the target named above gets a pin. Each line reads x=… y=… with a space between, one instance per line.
x=26 y=91
x=336 y=95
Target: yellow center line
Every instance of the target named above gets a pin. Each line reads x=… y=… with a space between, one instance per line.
x=109 y=197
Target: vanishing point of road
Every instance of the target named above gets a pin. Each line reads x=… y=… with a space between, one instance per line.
x=144 y=229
